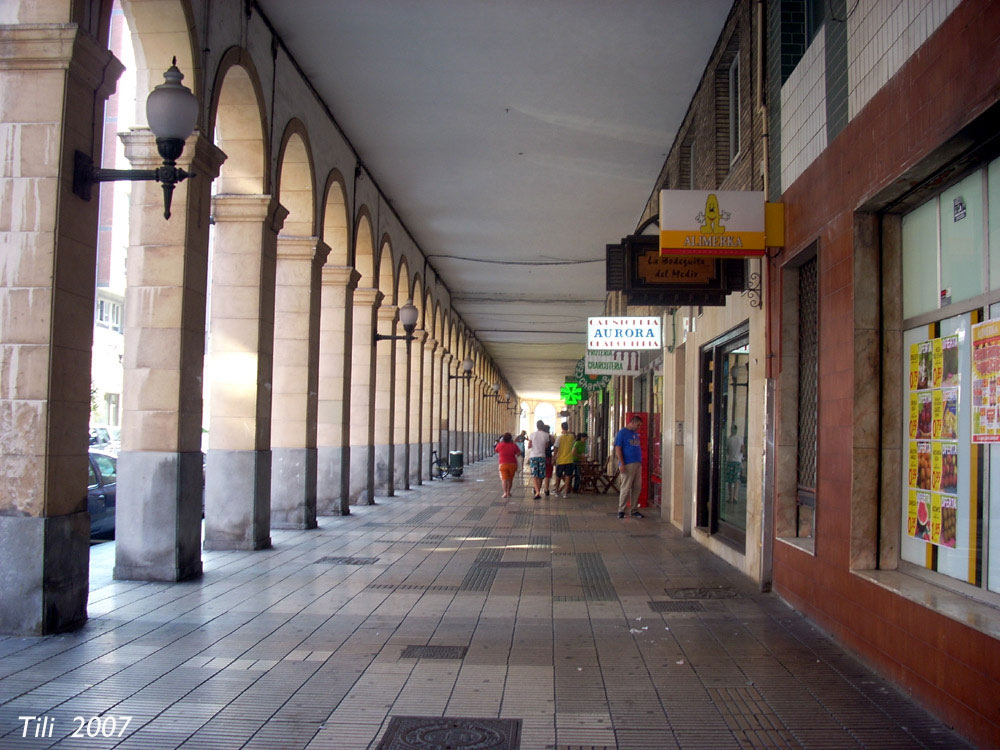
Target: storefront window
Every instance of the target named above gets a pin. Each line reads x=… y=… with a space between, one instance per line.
x=951 y=389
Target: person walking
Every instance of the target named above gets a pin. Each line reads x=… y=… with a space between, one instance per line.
x=579 y=456
x=508 y=451
x=521 y=440
x=548 y=458
x=537 y=445
x=628 y=451
x=564 y=459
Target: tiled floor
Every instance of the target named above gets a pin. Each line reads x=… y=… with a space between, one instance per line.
x=298 y=647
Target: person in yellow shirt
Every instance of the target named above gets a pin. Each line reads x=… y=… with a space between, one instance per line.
x=565 y=466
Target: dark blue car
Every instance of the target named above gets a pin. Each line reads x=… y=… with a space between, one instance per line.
x=101 y=489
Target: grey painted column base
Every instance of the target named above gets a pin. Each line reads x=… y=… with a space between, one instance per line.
x=158 y=516
x=417 y=470
x=383 y=470
x=238 y=500
x=361 y=476
x=44 y=573
x=332 y=472
x=293 y=488
x=400 y=467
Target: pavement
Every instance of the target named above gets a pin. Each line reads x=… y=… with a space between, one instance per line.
x=593 y=632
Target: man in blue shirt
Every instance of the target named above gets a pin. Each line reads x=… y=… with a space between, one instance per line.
x=628 y=451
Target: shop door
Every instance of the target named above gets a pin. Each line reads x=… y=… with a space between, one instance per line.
x=722 y=465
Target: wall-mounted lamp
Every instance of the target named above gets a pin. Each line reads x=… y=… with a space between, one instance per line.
x=492 y=392
x=172 y=112
x=467 y=365
x=408 y=315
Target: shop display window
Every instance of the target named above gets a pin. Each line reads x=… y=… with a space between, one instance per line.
x=950 y=510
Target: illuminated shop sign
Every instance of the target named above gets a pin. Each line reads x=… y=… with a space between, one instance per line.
x=624 y=333
x=712 y=223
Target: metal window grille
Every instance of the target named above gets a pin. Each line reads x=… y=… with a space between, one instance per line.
x=808 y=374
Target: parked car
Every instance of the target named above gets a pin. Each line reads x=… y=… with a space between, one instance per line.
x=101 y=493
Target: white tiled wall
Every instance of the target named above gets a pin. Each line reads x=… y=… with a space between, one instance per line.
x=881 y=36
x=803 y=113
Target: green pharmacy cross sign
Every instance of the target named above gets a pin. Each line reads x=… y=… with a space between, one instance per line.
x=571 y=393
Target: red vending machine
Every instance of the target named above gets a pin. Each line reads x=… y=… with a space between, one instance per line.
x=644 y=442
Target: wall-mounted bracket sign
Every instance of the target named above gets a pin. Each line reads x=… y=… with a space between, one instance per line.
x=712 y=224
x=590 y=382
x=603 y=363
x=624 y=332
x=571 y=393
x=650 y=278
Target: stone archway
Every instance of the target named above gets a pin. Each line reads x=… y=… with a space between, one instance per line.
x=367 y=299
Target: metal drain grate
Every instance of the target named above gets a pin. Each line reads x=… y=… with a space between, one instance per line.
x=434 y=652
x=348 y=560
x=597 y=586
x=702 y=592
x=408 y=732
x=409 y=587
x=688 y=606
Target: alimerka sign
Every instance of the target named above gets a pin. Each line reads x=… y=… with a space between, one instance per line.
x=712 y=224
x=624 y=333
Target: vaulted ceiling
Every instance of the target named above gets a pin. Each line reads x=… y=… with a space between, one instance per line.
x=515 y=138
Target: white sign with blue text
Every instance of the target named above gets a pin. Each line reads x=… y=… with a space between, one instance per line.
x=624 y=333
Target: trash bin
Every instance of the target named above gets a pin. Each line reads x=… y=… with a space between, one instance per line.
x=456 y=459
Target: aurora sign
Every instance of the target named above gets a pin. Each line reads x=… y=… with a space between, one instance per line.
x=624 y=333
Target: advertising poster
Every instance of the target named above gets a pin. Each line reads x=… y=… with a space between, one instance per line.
x=932 y=452
x=986 y=382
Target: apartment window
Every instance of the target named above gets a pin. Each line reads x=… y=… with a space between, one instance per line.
x=689 y=160
x=808 y=375
x=734 y=108
x=950 y=478
x=815 y=13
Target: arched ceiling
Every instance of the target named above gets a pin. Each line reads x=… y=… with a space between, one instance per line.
x=518 y=131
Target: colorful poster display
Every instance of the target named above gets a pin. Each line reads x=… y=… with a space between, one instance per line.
x=932 y=465
x=986 y=382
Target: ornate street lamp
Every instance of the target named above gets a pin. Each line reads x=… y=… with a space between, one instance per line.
x=467 y=365
x=493 y=392
x=408 y=315
x=172 y=112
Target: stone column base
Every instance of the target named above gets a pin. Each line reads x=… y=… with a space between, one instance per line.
x=158 y=516
x=361 y=475
x=417 y=468
x=44 y=573
x=238 y=500
x=331 y=464
x=401 y=463
x=383 y=467
x=293 y=488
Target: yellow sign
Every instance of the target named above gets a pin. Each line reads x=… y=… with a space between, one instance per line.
x=712 y=224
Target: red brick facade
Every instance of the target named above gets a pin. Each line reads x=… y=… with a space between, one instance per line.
x=952 y=80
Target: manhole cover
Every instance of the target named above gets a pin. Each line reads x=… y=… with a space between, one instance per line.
x=690 y=606
x=702 y=592
x=348 y=560
x=434 y=652
x=450 y=733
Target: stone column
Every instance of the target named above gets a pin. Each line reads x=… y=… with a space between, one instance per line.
x=401 y=415
x=363 y=382
x=419 y=382
x=434 y=431
x=54 y=79
x=447 y=404
x=385 y=401
x=296 y=381
x=238 y=467
x=160 y=478
x=334 y=412
x=428 y=400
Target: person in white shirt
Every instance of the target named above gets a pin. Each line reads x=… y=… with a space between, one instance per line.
x=538 y=441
